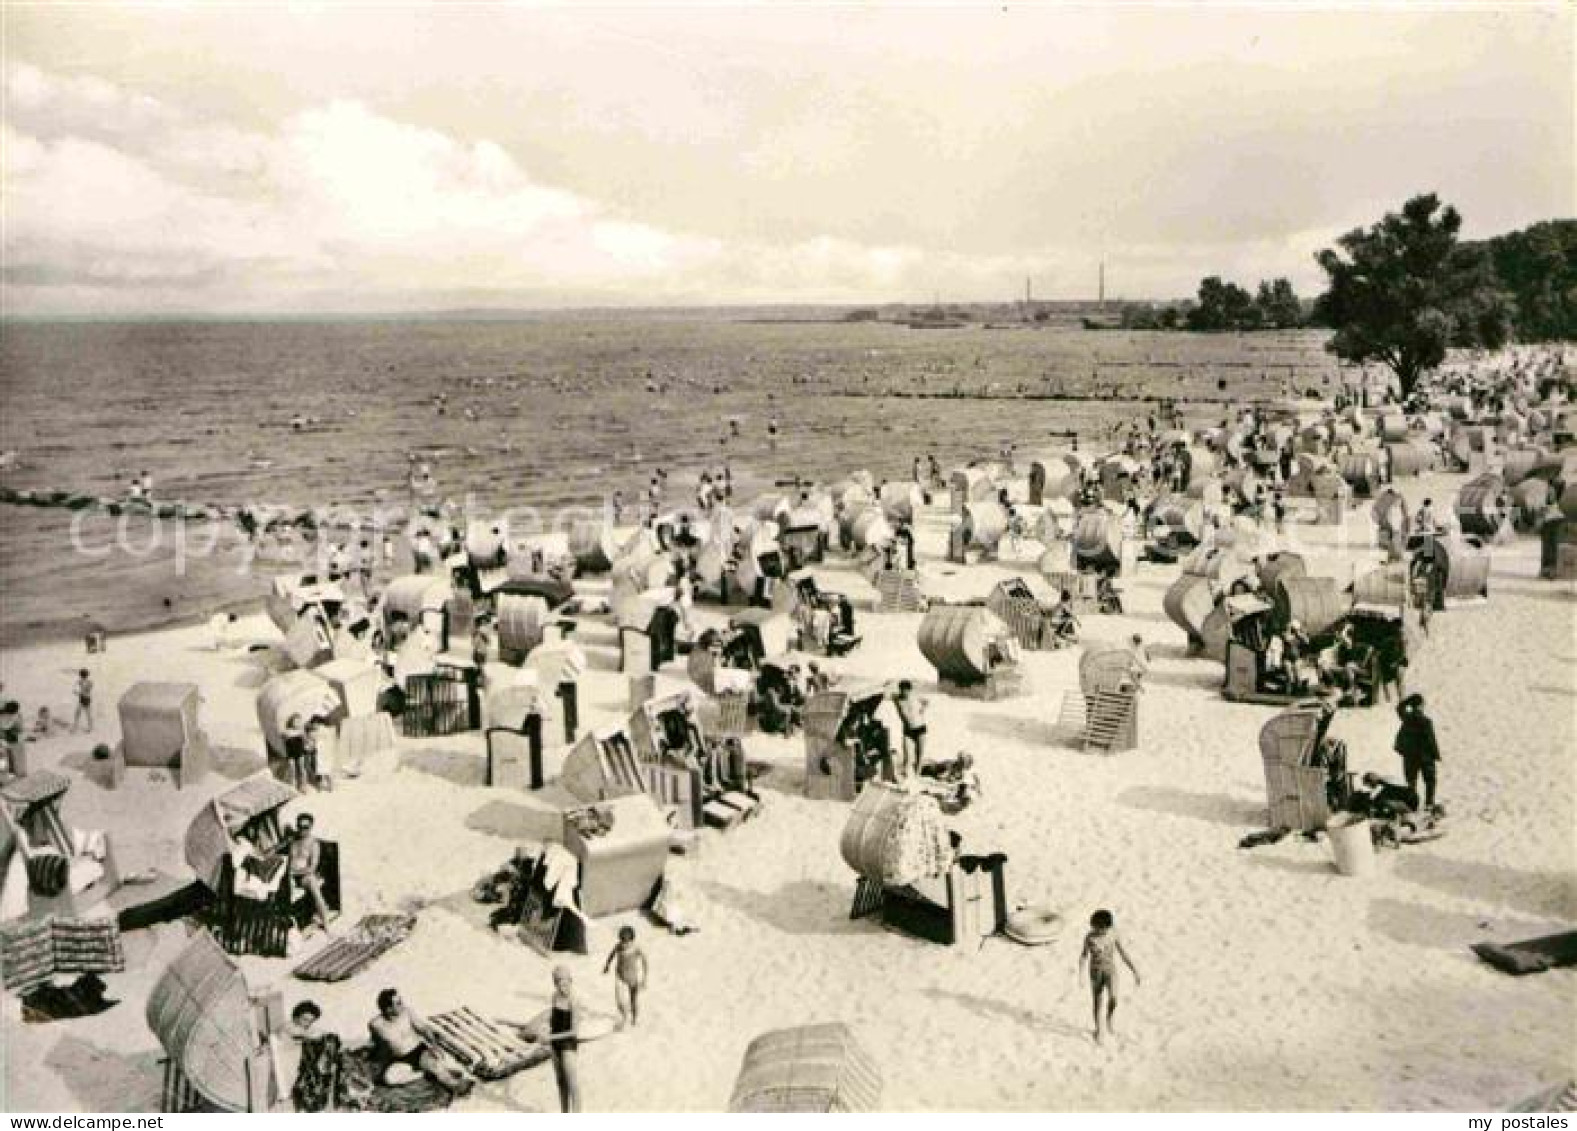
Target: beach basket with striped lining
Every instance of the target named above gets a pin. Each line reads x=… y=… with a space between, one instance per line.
x=812 y=1068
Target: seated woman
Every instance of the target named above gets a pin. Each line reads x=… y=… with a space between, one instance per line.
x=322 y=1083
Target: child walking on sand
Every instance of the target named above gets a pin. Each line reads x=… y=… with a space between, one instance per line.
x=629 y=978
x=83 y=693
x=1101 y=949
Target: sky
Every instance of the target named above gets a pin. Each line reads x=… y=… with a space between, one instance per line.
x=317 y=157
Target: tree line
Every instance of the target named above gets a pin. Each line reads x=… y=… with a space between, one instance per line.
x=1404 y=290
x=1221 y=305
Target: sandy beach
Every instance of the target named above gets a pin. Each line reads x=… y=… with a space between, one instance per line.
x=1156 y=421
x=1271 y=982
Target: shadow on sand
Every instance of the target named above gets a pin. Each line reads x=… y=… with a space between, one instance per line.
x=1417 y=924
x=106 y=1081
x=1033 y=731
x=230 y=762
x=514 y=821
x=1201 y=678
x=1311 y=867
x=1213 y=807
x=994 y=1010
x=803 y=907
x=1546 y=895
x=455 y=766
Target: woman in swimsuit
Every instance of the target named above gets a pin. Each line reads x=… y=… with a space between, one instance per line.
x=564 y=1038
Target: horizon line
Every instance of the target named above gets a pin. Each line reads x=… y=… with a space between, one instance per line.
x=537 y=311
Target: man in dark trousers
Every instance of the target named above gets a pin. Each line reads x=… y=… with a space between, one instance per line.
x=568 y=690
x=1415 y=742
x=1551 y=523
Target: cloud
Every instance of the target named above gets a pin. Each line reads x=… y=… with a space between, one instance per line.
x=118 y=202
x=119 y=196
x=105 y=189
x=112 y=194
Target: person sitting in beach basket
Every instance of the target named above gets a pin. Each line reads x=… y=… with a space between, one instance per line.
x=1063 y=621
x=304 y=854
x=864 y=736
x=738 y=650
x=1348 y=666
x=679 y=737
x=1280 y=674
x=780 y=697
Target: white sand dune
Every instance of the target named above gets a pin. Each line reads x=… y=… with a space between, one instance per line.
x=1270 y=981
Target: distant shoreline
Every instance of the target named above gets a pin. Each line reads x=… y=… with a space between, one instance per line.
x=957 y=395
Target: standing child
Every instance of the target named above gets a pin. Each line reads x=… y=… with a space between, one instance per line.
x=84 y=697
x=1102 y=948
x=629 y=978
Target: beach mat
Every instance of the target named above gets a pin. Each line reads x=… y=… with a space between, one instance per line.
x=486 y=1049
x=374 y=936
x=1530 y=956
x=421 y=1094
